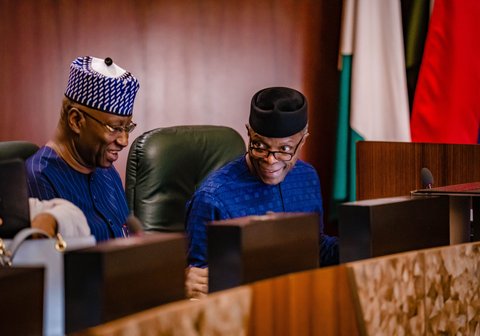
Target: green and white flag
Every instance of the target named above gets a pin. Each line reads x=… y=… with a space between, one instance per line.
x=373 y=89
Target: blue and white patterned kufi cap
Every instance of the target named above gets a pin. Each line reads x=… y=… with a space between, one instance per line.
x=102 y=85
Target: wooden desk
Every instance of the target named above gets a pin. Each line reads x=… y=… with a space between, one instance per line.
x=425 y=292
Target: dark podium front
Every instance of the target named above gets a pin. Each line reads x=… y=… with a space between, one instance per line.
x=252 y=248
x=382 y=226
x=122 y=276
x=21 y=300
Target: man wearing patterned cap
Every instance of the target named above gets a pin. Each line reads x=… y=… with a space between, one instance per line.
x=268 y=178
x=77 y=164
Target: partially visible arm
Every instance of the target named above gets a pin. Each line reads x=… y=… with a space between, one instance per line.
x=329 y=254
x=46 y=222
x=58 y=215
x=196 y=282
x=201 y=210
x=39 y=186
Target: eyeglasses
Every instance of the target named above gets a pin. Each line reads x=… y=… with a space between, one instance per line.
x=262 y=153
x=113 y=129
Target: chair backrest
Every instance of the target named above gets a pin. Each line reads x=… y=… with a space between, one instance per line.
x=16 y=149
x=166 y=165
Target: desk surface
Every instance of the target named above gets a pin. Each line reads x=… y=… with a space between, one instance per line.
x=464 y=189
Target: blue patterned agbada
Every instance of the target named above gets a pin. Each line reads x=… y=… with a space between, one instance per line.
x=100 y=195
x=232 y=191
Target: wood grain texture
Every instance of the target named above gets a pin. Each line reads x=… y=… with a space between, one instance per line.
x=317 y=302
x=386 y=169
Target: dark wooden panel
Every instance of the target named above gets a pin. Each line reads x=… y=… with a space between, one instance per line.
x=121 y=277
x=251 y=248
x=386 y=169
x=372 y=228
x=21 y=300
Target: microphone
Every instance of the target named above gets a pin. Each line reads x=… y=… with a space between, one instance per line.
x=133 y=226
x=427 y=178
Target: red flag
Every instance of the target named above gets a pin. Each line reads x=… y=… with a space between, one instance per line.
x=446 y=106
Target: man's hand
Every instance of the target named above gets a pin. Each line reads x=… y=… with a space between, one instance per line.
x=45 y=222
x=196 y=282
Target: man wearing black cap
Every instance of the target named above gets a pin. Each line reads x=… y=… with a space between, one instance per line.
x=77 y=164
x=269 y=178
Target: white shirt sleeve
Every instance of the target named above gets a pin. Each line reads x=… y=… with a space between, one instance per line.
x=71 y=221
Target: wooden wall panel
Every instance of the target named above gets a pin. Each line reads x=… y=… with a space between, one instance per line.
x=198 y=61
x=386 y=169
x=321 y=81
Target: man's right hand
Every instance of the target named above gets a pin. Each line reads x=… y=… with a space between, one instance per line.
x=196 y=282
x=45 y=222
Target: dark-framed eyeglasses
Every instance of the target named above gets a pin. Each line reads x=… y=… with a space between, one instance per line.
x=262 y=153
x=112 y=129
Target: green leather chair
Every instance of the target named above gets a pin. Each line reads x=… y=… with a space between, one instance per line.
x=16 y=149
x=166 y=165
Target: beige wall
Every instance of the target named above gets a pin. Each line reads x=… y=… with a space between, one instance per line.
x=198 y=61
